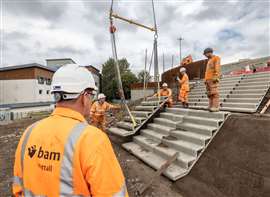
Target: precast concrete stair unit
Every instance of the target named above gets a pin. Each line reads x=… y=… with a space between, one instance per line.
x=243 y=93
x=177 y=130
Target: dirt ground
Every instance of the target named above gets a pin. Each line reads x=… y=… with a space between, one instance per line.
x=136 y=172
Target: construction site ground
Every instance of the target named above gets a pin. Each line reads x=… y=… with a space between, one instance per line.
x=235 y=164
x=136 y=172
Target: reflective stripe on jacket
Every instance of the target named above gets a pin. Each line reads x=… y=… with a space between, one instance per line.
x=64 y=156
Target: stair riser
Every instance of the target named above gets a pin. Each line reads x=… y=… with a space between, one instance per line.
x=255 y=80
x=254 y=83
x=251 y=87
x=258 y=76
x=196 y=130
x=150 y=136
x=144 y=108
x=198 y=104
x=149 y=103
x=180 y=148
x=138 y=114
x=159 y=130
x=239 y=105
x=249 y=91
x=155 y=99
x=164 y=123
x=255 y=101
x=202 y=122
x=189 y=139
x=126 y=127
x=147 y=146
x=245 y=96
x=171 y=117
x=203 y=91
x=203 y=114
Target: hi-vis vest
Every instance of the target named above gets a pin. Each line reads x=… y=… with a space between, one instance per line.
x=213 y=68
x=63 y=156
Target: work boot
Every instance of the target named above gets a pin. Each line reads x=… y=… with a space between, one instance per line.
x=186 y=105
x=214 y=109
x=183 y=105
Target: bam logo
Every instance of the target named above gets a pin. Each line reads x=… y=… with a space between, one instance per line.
x=43 y=154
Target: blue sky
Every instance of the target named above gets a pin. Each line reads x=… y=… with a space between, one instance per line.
x=34 y=30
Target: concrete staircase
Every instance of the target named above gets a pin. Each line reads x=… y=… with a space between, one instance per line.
x=242 y=93
x=141 y=113
x=177 y=130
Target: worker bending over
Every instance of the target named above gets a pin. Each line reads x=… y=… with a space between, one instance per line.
x=62 y=155
x=98 y=110
x=166 y=92
x=212 y=77
x=183 y=87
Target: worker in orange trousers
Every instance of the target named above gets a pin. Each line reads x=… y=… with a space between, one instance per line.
x=166 y=92
x=62 y=155
x=98 y=112
x=212 y=78
x=183 y=87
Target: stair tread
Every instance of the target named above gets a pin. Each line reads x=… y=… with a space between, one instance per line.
x=186 y=144
x=192 y=134
x=151 y=132
x=120 y=132
x=210 y=128
x=161 y=126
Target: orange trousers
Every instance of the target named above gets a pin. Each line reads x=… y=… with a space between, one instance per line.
x=99 y=122
x=183 y=96
x=212 y=93
x=170 y=102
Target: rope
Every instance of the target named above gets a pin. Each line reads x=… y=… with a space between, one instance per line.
x=114 y=51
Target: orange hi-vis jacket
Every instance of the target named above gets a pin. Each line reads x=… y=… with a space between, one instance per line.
x=184 y=83
x=98 y=109
x=163 y=92
x=64 y=156
x=213 y=68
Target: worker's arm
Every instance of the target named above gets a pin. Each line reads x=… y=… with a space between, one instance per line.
x=170 y=93
x=104 y=174
x=110 y=106
x=183 y=80
x=93 y=109
x=17 y=185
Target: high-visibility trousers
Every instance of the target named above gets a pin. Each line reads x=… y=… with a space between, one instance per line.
x=212 y=89
x=99 y=122
x=183 y=96
x=170 y=102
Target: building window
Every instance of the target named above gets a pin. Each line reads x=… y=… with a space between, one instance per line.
x=41 y=80
x=40 y=91
x=48 y=81
x=48 y=91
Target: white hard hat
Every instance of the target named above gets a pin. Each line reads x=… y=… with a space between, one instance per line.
x=182 y=69
x=72 y=79
x=101 y=96
x=164 y=85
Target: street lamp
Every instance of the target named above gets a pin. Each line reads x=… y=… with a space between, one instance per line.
x=180 y=49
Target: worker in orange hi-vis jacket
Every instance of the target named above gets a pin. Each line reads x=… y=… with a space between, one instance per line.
x=166 y=92
x=212 y=78
x=98 y=112
x=183 y=87
x=62 y=155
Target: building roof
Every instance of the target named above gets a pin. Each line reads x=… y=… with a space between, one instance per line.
x=35 y=65
x=60 y=59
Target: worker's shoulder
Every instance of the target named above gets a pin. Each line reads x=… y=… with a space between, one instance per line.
x=94 y=132
x=216 y=57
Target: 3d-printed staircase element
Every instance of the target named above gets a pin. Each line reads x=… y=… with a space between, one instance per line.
x=185 y=131
x=142 y=114
x=243 y=93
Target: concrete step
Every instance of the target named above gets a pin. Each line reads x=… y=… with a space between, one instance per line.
x=200 y=129
x=192 y=137
x=240 y=87
x=125 y=125
x=255 y=79
x=160 y=128
x=183 y=146
x=156 y=98
x=171 y=116
x=139 y=120
x=254 y=83
x=231 y=78
x=238 y=109
x=145 y=142
x=203 y=121
x=150 y=103
x=198 y=103
x=119 y=132
x=165 y=122
x=242 y=100
x=258 y=75
x=141 y=113
x=199 y=113
x=239 y=105
x=258 y=91
x=145 y=108
x=152 y=134
x=239 y=96
x=173 y=172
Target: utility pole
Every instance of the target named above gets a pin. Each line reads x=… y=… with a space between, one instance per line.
x=180 y=49
x=163 y=62
x=172 y=60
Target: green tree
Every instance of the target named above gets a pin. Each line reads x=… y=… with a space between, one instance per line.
x=141 y=76
x=110 y=80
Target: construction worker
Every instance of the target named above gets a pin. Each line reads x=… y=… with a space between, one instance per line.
x=183 y=87
x=166 y=92
x=62 y=155
x=98 y=110
x=212 y=78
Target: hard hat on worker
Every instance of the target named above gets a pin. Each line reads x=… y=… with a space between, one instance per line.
x=71 y=80
x=208 y=50
x=182 y=69
x=164 y=85
x=101 y=96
